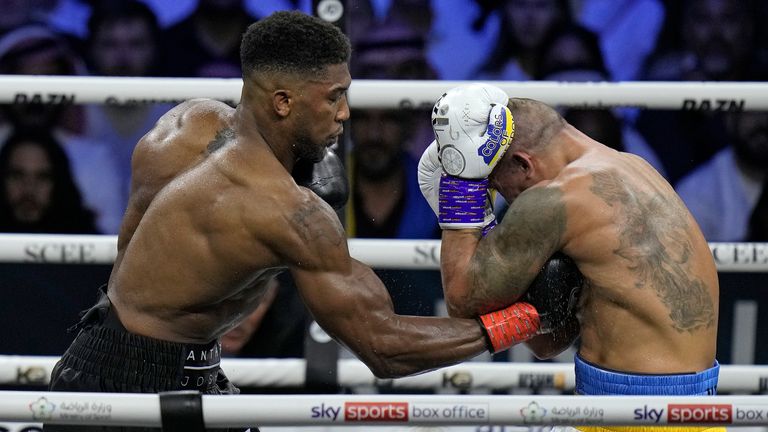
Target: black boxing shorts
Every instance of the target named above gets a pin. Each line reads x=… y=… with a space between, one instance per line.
x=105 y=357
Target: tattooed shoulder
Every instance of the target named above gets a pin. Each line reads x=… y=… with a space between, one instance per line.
x=653 y=235
x=222 y=137
x=316 y=222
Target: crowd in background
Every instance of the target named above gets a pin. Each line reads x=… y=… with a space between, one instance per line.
x=65 y=168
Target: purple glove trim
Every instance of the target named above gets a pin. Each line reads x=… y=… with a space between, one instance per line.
x=462 y=201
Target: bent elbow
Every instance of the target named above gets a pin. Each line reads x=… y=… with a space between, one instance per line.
x=458 y=306
x=388 y=361
x=389 y=367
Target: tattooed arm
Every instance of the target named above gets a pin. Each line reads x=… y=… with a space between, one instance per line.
x=482 y=275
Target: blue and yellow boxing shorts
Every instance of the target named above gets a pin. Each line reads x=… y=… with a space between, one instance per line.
x=593 y=380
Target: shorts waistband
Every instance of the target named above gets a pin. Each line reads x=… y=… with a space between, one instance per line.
x=196 y=356
x=651 y=428
x=593 y=380
x=105 y=348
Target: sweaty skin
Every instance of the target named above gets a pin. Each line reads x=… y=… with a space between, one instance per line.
x=650 y=301
x=215 y=214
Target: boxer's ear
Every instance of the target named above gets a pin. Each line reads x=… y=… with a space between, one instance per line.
x=282 y=100
x=522 y=161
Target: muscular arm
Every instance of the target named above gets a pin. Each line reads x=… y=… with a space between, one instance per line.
x=482 y=275
x=350 y=302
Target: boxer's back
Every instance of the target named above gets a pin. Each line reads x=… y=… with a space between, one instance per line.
x=652 y=290
x=178 y=141
x=189 y=265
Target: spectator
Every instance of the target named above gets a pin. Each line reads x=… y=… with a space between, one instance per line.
x=206 y=44
x=275 y=329
x=122 y=41
x=232 y=342
x=707 y=40
x=386 y=201
x=417 y=14
x=723 y=193
x=572 y=50
x=361 y=18
x=628 y=31
x=35 y=50
x=599 y=124
x=713 y=41
x=39 y=194
x=17 y=13
x=572 y=53
x=524 y=26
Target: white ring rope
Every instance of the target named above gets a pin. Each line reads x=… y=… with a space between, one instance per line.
x=378 y=253
x=352 y=373
x=354 y=410
x=714 y=96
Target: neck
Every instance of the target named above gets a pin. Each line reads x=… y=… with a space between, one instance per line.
x=250 y=123
x=566 y=146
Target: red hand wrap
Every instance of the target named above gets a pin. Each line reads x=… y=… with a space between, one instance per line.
x=511 y=325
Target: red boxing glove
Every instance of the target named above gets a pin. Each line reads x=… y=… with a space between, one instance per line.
x=510 y=326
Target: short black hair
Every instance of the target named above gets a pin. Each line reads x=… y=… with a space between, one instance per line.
x=292 y=42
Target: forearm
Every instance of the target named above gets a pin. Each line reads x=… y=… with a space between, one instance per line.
x=355 y=308
x=457 y=250
x=407 y=345
x=474 y=279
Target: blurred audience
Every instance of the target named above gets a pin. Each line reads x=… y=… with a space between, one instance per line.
x=123 y=40
x=17 y=13
x=709 y=40
x=39 y=194
x=572 y=53
x=599 y=124
x=276 y=329
x=628 y=30
x=723 y=193
x=758 y=221
x=207 y=42
x=523 y=28
x=385 y=200
x=35 y=50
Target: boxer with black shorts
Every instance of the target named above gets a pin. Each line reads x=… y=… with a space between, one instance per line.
x=222 y=200
x=648 y=310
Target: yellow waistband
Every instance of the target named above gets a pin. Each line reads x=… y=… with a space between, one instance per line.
x=649 y=429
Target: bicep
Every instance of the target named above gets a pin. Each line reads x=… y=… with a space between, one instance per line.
x=507 y=260
x=338 y=290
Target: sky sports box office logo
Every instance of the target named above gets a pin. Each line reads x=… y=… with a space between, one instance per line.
x=701 y=413
x=398 y=412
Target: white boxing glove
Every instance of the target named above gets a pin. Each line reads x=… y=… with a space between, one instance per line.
x=473 y=128
x=430 y=172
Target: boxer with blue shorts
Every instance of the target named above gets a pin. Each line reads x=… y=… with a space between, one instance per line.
x=647 y=314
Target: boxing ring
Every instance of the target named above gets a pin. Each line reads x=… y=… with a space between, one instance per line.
x=740 y=408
